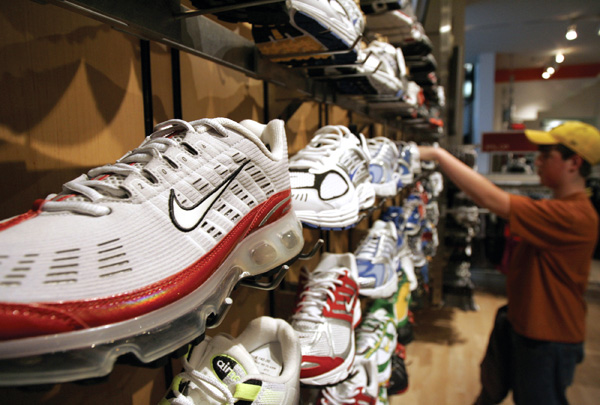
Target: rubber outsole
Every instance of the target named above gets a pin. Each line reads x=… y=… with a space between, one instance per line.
x=149 y=339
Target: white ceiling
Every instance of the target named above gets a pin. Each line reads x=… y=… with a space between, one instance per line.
x=528 y=33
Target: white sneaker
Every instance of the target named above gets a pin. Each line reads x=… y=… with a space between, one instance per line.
x=312 y=26
x=360 y=388
x=377 y=261
x=385 y=63
x=330 y=179
x=148 y=246
x=384 y=170
x=261 y=366
x=325 y=318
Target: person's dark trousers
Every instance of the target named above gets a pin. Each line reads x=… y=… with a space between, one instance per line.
x=543 y=370
x=496 y=365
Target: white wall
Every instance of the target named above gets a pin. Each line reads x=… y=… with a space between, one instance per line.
x=554 y=98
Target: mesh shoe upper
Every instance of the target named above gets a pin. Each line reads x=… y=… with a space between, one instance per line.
x=131 y=237
x=376 y=260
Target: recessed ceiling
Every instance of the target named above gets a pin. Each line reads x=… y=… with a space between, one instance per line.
x=528 y=33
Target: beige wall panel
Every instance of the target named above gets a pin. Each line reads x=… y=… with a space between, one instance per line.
x=210 y=90
x=70 y=99
x=301 y=127
x=337 y=116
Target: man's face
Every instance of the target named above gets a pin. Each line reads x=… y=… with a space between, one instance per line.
x=551 y=166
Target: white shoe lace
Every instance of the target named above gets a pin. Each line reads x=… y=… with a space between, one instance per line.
x=322 y=146
x=314 y=297
x=200 y=380
x=368 y=247
x=372 y=329
x=92 y=189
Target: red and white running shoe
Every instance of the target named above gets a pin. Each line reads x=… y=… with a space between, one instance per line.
x=325 y=318
x=134 y=256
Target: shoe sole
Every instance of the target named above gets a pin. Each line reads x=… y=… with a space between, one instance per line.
x=93 y=352
x=383 y=291
x=334 y=220
x=302 y=34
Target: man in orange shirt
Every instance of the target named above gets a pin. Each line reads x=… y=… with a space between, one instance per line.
x=549 y=269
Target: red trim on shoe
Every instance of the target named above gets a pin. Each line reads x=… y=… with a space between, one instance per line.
x=33 y=212
x=28 y=320
x=324 y=365
x=362 y=398
x=338 y=308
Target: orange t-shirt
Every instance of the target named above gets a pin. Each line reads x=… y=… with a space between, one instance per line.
x=549 y=269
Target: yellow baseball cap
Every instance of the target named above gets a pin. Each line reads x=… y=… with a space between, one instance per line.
x=582 y=138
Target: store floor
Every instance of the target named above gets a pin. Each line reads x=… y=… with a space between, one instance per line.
x=443 y=360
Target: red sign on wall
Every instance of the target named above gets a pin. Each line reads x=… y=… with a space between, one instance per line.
x=508 y=141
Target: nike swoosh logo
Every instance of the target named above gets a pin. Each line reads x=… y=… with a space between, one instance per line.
x=187 y=219
x=350 y=305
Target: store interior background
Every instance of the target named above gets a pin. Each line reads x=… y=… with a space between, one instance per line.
x=72 y=99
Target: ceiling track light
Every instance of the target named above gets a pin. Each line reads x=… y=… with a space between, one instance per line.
x=571 y=32
x=559 y=58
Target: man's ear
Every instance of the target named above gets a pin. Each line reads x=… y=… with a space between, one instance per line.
x=576 y=162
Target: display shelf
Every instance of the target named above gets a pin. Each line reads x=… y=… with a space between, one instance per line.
x=173 y=24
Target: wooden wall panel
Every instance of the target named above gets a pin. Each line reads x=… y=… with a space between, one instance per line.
x=210 y=91
x=70 y=99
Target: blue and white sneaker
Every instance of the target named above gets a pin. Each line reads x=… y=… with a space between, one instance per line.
x=384 y=166
x=377 y=261
x=410 y=154
x=414 y=211
x=330 y=179
x=396 y=216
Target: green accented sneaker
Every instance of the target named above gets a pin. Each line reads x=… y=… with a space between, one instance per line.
x=261 y=366
x=376 y=337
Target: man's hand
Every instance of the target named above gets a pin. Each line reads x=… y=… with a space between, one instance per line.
x=485 y=193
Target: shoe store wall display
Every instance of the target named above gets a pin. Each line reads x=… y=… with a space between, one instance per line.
x=234 y=238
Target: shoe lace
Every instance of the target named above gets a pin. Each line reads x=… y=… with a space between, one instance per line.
x=200 y=380
x=321 y=147
x=314 y=297
x=369 y=246
x=372 y=328
x=84 y=194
